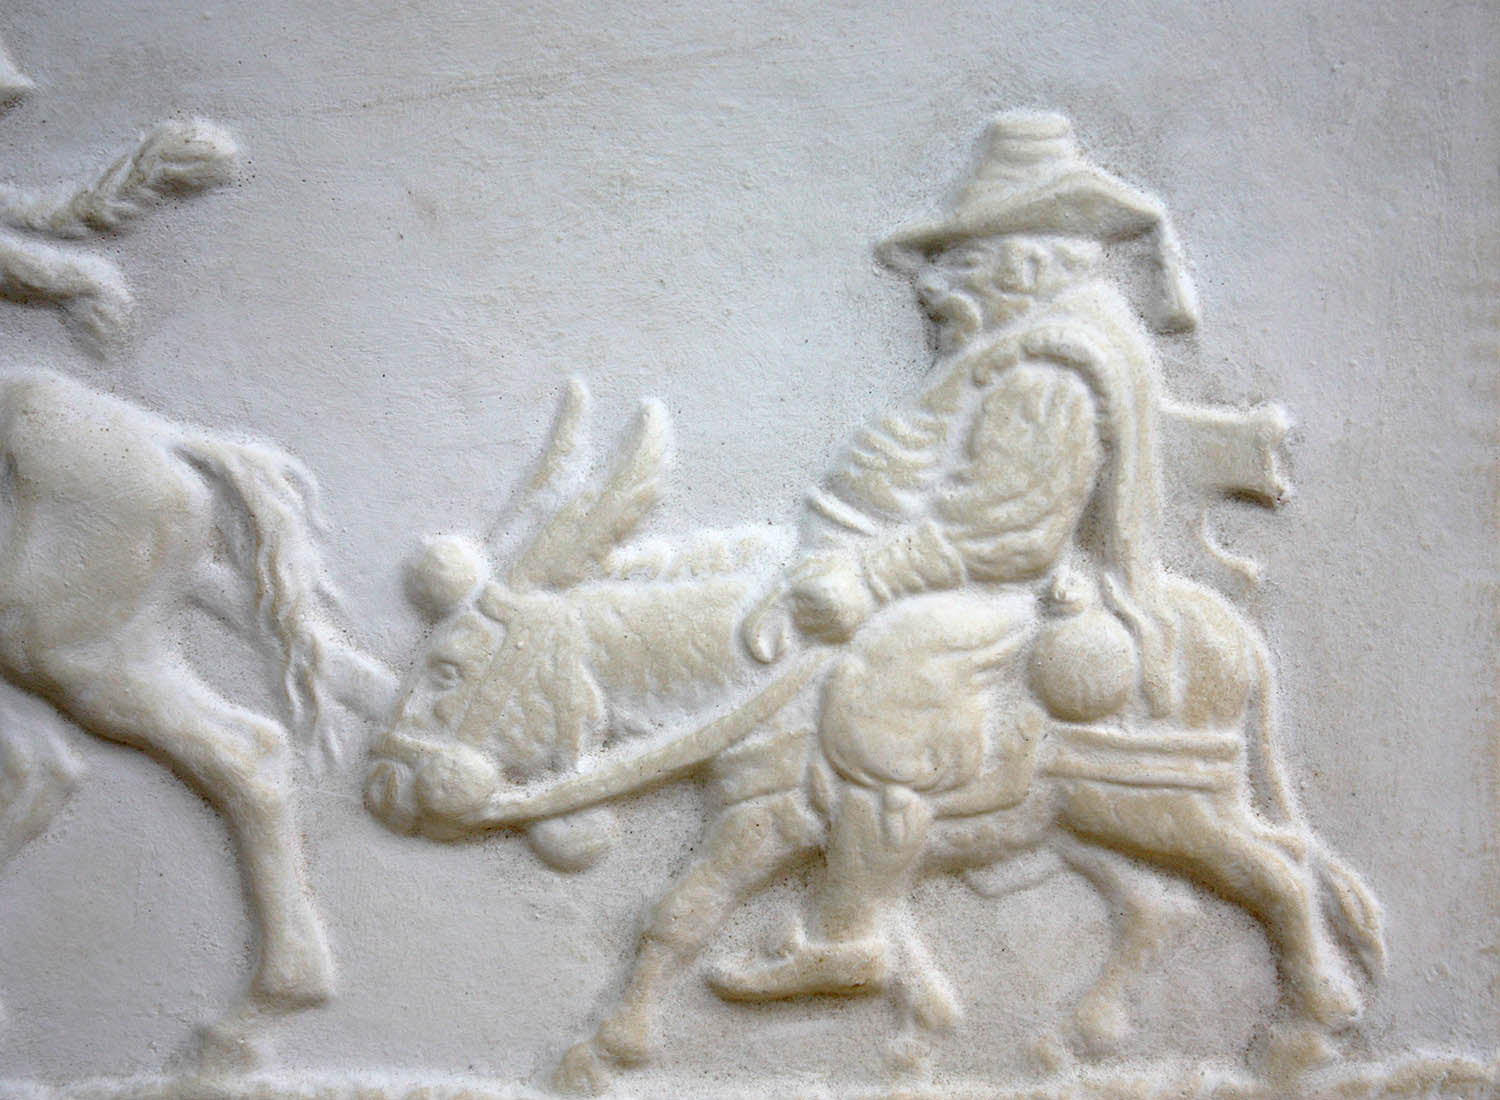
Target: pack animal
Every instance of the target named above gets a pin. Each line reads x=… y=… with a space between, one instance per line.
x=524 y=677
x=511 y=698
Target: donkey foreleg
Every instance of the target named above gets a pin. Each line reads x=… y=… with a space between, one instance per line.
x=747 y=845
x=1139 y=926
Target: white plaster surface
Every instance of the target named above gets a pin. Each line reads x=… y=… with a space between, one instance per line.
x=444 y=210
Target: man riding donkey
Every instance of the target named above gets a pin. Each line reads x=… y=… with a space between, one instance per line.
x=982 y=579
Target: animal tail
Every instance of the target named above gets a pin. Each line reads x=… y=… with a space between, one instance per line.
x=1276 y=792
x=1353 y=912
x=1351 y=908
x=278 y=498
x=172 y=158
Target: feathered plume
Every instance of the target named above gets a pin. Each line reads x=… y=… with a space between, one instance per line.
x=172 y=158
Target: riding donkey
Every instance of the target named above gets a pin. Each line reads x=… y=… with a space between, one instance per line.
x=515 y=691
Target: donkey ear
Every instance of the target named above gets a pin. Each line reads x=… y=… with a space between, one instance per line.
x=576 y=541
x=561 y=468
x=566 y=456
x=13 y=83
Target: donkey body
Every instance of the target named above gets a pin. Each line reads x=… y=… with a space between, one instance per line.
x=517 y=687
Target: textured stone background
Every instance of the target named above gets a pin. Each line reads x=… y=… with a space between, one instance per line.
x=447 y=208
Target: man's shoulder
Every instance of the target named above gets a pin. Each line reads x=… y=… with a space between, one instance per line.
x=1083 y=330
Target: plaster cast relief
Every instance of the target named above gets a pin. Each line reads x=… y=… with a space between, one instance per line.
x=173 y=158
x=972 y=662
x=976 y=656
x=118 y=526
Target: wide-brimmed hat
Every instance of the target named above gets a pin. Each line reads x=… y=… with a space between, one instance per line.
x=1031 y=178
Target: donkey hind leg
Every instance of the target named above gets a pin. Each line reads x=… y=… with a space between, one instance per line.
x=1216 y=842
x=238 y=761
x=38 y=773
x=747 y=845
x=1139 y=925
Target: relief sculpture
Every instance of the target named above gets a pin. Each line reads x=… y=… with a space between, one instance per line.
x=972 y=661
x=975 y=656
x=116 y=526
x=173 y=158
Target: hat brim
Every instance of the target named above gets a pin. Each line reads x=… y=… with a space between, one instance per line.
x=1086 y=203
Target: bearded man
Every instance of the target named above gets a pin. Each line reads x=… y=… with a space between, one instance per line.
x=981 y=579
x=1021 y=483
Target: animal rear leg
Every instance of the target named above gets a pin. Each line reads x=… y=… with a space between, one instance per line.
x=1138 y=925
x=238 y=761
x=1216 y=843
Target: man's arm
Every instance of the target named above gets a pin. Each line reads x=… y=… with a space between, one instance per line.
x=1004 y=513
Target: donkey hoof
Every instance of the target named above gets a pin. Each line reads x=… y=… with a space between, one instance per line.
x=1294 y=1048
x=626 y=1038
x=227 y=1048
x=304 y=981
x=1330 y=1003
x=1102 y=1024
x=582 y=1072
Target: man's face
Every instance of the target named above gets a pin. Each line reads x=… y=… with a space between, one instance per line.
x=977 y=284
x=952 y=290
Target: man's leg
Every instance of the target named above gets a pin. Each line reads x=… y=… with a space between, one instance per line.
x=875 y=839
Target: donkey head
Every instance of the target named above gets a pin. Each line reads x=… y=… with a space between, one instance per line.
x=504 y=691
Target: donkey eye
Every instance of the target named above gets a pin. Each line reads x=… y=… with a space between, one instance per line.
x=446 y=673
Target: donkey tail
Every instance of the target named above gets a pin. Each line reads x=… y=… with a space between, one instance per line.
x=1352 y=909
x=1354 y=913
x=277 y=498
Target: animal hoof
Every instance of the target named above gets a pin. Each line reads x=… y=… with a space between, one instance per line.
x=582 y=1072
x=934 y=1008
x=299 y=977
x=909 y=1053
x=1331 y=1003
x=1293 y=1049
x=626 y=1038
x=1103 y=1025
x=227 y=1048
